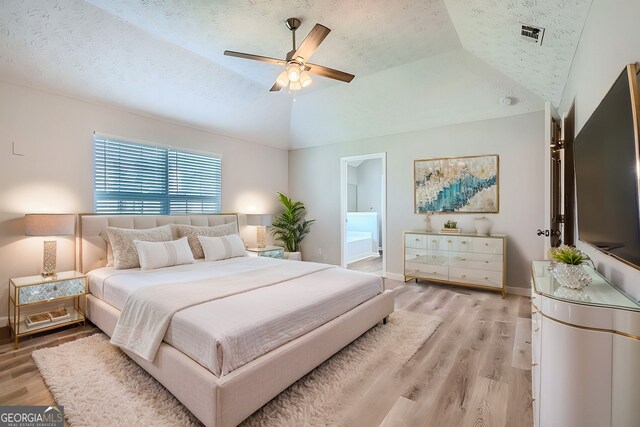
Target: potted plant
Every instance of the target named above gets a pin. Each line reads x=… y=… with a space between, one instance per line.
x=290 y=227
x=452 y=225
x=568 y=269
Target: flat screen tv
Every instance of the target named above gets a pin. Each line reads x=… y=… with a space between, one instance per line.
x=606 y=167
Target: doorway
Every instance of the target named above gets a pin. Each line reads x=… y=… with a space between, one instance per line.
x=363 y=198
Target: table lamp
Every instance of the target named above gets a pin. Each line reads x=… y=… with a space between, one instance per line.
x=262 y=221
x=50 y=225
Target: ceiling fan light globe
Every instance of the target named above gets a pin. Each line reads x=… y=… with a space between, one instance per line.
x=293 y=72
x=305 y=79
x=294 y=86
x=283 y=78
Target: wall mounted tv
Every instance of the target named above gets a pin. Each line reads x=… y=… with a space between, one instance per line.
x=606 y=153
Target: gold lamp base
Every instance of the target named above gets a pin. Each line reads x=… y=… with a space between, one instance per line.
x=261 y=236
x=49 y=258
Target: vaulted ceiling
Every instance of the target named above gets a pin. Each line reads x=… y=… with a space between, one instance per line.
x=418 y=64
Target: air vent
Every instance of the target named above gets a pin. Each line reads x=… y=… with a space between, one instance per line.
x=531 y=33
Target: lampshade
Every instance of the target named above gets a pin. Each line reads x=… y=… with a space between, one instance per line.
x=50 y=224
x=283 y=78
x=259 y=219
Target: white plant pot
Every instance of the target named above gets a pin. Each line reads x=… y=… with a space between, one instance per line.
x=571 y=276
x=294 y=256
x=483 y=226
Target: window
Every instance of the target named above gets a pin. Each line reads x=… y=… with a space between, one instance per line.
x=133 y=178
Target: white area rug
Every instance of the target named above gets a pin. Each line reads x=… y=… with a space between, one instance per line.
x=99 y=385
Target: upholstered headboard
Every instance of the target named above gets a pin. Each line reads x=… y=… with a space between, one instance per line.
x=93 y=247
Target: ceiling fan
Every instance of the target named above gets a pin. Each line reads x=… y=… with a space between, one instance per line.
x=297 y=69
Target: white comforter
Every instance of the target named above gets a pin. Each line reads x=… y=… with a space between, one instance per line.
x=227 y=313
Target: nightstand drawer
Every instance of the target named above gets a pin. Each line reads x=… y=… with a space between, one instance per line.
x=50 y=291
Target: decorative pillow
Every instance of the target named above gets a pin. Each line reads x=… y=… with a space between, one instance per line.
x=217 y=248
x=125 y=254
x=154 y=255
x=105 y=236
x=192 y=232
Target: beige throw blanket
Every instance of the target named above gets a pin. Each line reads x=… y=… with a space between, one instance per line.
x=148 y=311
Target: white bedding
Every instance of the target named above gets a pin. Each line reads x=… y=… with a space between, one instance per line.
x=226 y=333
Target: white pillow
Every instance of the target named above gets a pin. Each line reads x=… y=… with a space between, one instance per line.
x=154 y=255
x=217 y=248
x=192 y=233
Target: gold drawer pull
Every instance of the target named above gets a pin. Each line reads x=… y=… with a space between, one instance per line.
x=449 y=241
x=433 y=241
x=464 y=275
x=536 y=329
x=534 y=364
x=486 y=262
x=463 y=259
x=486 y=244
x=486 y=278
x=463 y=242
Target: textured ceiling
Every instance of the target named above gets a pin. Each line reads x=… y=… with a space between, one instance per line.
x=366 y=35
x=164 y=58
x=490 y=30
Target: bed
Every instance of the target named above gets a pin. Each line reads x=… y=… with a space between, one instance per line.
x=221 y=367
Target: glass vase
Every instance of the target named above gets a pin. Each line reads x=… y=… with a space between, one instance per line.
x=571 y=276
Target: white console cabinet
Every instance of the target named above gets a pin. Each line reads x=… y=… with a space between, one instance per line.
x=585 y=354
x=459 y=259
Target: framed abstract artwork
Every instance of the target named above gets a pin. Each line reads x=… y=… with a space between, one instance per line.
x=457 y=184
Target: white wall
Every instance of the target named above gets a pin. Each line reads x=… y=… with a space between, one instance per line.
x=314 y=178
x=609 y=42
x=55 y=174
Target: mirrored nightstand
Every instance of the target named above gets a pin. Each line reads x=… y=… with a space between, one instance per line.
x=269 y=251
x=30 y=302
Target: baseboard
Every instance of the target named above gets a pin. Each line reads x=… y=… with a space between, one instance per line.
x=4 y=322
x=363 y=257
x=394 y=276
x=525 y=292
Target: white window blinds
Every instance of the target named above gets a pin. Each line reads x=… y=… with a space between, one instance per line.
x=132 y=178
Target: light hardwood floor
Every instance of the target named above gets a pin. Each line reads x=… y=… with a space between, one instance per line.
x=368 y=265
x=473 y=371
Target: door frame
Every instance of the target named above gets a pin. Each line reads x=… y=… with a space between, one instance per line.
x=344 y=161
x=552 y=121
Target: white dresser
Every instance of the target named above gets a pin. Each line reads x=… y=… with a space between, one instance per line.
x=585 y=354
x=460 y=259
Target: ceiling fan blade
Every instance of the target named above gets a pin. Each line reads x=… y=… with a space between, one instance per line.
x=319 y=70
x=276 y=87
x=254 y=57
x=311 y=42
